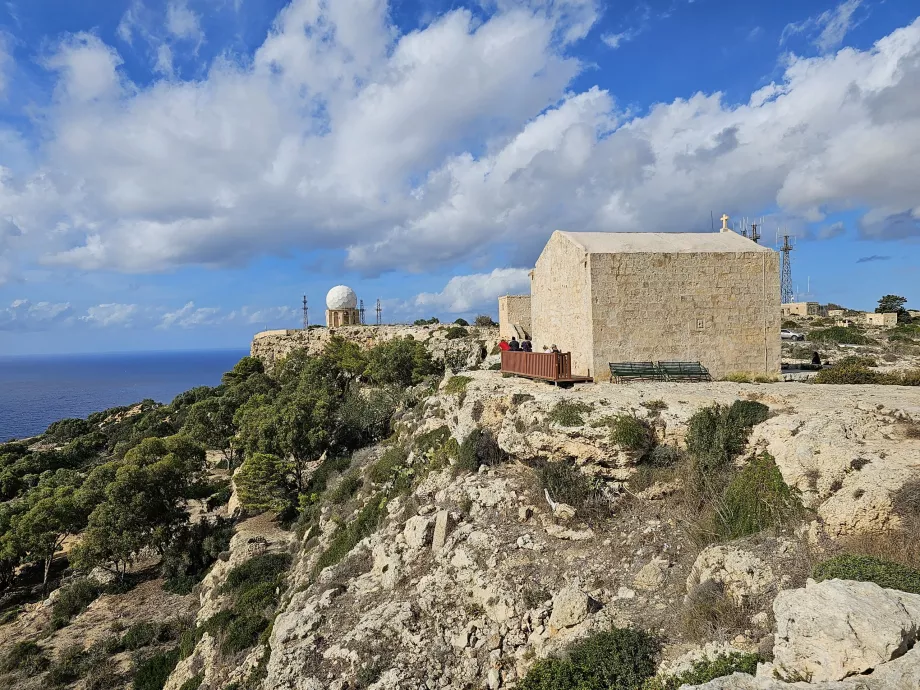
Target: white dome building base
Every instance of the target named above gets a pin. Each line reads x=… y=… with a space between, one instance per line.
x=342 y=307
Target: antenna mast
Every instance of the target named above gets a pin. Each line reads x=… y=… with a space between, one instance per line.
x=379 y=311
x=754 y=234
x=306 y=318
x=361 y=311
x=786 y=295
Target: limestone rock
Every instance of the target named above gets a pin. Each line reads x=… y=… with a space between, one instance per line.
x=570 y=607
x=837 y=628
x=741 y=573
x=442 y=524
x=563 y=511
x=417 y=531
x=652 y=575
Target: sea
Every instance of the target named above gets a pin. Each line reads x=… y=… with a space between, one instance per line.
x=37 y=390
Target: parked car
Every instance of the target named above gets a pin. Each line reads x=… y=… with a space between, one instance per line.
x=786 y=334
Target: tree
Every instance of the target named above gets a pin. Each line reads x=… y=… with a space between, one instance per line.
x=426 y=322
x=462 y=322
x=262 y=483
x=52 y=516
x=246 y=367
x=400 y=362
x=210 y=422
x=65 y=430
x=893 y=304
x=484 y=321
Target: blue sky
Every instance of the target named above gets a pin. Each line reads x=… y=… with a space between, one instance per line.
x=178 y=173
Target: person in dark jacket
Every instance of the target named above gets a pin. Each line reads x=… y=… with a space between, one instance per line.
x=526 y=345
x=816 y=358
x=515 y=346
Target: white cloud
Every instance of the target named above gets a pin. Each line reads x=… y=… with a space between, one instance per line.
x=110 y=314
x=435 y=147
x=182 y=22
x=23 y=315
x=464 y=294
x=6 y=60
x=190 y=316
x=265 y=315
x=829 y=28
x=616 y=40
x=829 y=232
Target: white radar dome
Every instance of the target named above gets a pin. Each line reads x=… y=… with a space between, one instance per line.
x=341 y=297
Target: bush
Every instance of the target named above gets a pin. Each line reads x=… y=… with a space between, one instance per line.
x=72 y=600
x=346 y=488
x=69 y=666
x=568 y=413
x=484 y=321
x=192 y=551
x=621 y=658
x=192 y=683
x=387 y=468
x=842 y=335
x=755 y=499
x=718 y=434
x=868 y=569
x=567 y=484
x=850 y=373
x=462 y=322
x=790 y=324
x=269 y=567
x=478 y=448
x=144 y=634
x=242 y=633
x=26 y=657
x=631 y=433
x=706 y=670
x=455 y=332
x=364 y=524
x=708 y=612
x=153 y=672
x=457 y=384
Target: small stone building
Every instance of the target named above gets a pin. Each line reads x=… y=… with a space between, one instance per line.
x=887 y=320
x=342 y=307
x=632 y=297
x=801 y=309
x=514 y=316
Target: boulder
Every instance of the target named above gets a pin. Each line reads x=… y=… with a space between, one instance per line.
x=741 y=574
x=838 y=628
x=570 y=607
x=418 y=531
x=652 y=575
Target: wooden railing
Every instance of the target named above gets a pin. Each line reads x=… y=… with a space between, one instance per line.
x=550 y=366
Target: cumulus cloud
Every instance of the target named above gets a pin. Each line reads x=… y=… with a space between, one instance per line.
x=181 y=22
x=264 y=315
x=615 y=40
x=874 y=257
x=23 y=315
x=112 y=314
x=418 y=150
x=829 y=232
x=190 y=316
x=464 y=294
x=829 y=28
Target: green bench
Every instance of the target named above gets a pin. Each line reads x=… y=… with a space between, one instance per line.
x=684 y=371
x=625 y=371
x=658 y=371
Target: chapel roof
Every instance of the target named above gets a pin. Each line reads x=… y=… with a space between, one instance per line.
x=662 y=242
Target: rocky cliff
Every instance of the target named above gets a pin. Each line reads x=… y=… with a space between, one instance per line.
x=423 y=568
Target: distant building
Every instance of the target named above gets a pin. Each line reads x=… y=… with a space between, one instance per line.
x=913 y=313
x=887 y=319
x=650 y=296
x=836 y=312
x=342 y=307
x=800 y=309
x=514 y=316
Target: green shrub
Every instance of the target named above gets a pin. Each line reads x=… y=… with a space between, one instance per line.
x=706 y=670
x=145 y=634
x=72 y=600
x=192 y=551
x=849 y=374
x=841 y=335
x=269 y=567
x=192 y=683
x=790 y=324
x=26 y=657
x=621 y=658
x=346 y=488
x=568 y=413
x=153 y=672
x=69 y=666
x=755 y=499
x=631 y=433
x=388 y=466
x=567 y=484
x=455 y=332
x=364 y=524
x=242 y=633
x=457 y=384
x=654 y=406
x=718 y=434
x=478 y=448
x=868 y=569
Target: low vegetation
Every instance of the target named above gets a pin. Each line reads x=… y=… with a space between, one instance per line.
x=565 y=483
x=568 y=413
x=478 y=449
x=841 y=335
x=457 y=385
x=620 y=658
x=632 y=434
x=868 y=569
x=706 y=670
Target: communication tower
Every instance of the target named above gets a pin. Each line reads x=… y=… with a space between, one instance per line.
x=786 y=293
x=379 y=311
x=361 y=311
x=306 y=317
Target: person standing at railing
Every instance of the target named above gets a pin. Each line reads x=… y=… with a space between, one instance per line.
x=503 y=345
x=526 y=345
x=514 y=345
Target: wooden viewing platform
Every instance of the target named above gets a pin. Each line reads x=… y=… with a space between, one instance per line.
x=555 y=367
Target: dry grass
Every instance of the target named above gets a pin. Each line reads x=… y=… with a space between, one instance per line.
x=710 y=614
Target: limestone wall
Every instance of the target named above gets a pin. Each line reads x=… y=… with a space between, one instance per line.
x=800 y=309
x=513 y=310
x=722 y=309
x=271 y=346
x=888 y=320
x=560 y=302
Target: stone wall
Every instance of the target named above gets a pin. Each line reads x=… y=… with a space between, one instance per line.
x=722 y=309
x=271 y=346
x=561 y=302
x=888 y=320
x=800 y=309
x=513 y=310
